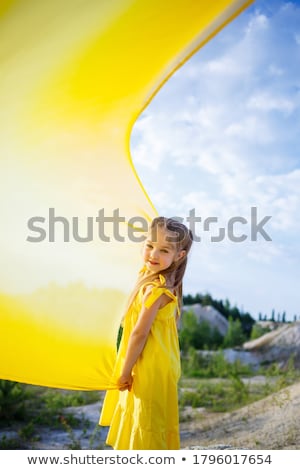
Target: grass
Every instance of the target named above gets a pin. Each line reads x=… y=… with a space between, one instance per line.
x=27 y=408
x=222 y=395
x=234 y=388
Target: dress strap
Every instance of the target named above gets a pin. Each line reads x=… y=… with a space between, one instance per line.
x=155 y=293
x=157 y=290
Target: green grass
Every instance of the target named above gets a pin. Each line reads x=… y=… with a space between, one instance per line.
x=219 y=396
x=26 y=407
x=201 y=388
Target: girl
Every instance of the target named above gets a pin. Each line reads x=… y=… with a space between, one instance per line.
x=143 y=412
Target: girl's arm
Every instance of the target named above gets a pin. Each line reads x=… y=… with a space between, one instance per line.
x=138 y=339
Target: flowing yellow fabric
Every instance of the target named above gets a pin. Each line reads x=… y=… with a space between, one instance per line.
x=74 y=76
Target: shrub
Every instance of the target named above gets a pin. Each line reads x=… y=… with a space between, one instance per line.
x=201 y=364
x=12 y=396
x=234 y=335
x=257 y=331
x=198 y=334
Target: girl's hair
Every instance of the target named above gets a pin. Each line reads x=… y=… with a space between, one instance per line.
x=183 y=239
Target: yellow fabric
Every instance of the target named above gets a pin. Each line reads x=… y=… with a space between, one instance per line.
x=74 y=76
x=147 y=416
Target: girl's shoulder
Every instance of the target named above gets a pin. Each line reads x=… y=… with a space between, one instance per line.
x=154 y=289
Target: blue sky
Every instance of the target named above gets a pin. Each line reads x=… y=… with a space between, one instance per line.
x=222 y=136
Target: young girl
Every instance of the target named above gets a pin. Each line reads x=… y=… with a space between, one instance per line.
x=143 y=412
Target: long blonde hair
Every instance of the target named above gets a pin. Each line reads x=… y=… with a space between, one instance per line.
x=183 y=238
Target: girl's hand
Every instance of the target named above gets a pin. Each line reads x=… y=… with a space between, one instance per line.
x=125 y=382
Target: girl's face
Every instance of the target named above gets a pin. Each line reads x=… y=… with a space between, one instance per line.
x=159 y=252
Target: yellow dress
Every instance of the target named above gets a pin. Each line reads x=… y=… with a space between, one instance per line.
x=146 y=418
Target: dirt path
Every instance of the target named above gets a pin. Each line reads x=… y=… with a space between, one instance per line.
x=271 y=423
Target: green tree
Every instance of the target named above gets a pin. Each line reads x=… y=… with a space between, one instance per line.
x=198 y=334
x=224 y=308
x=207 y=300
x=12 y=398
x=234 y=335
x=188 y=330
x=203 y=338
x=258 y=330
x=217 y=338
x=273 y=315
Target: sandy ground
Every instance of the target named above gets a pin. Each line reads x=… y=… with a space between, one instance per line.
x=271 y=423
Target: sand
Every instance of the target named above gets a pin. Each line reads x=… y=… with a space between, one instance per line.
x=270 y=423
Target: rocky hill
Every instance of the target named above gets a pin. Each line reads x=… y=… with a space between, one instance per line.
x=210 y=314
x=278 y=345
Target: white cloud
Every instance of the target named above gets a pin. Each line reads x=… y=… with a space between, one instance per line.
x=164 y=199
x=258 y=22
x=277 y=196
x=284 y=199
x=151 y=146
x=265 y=101
x=225 y=66
x=275 y=71
x=252 y=128
x=222 y=136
